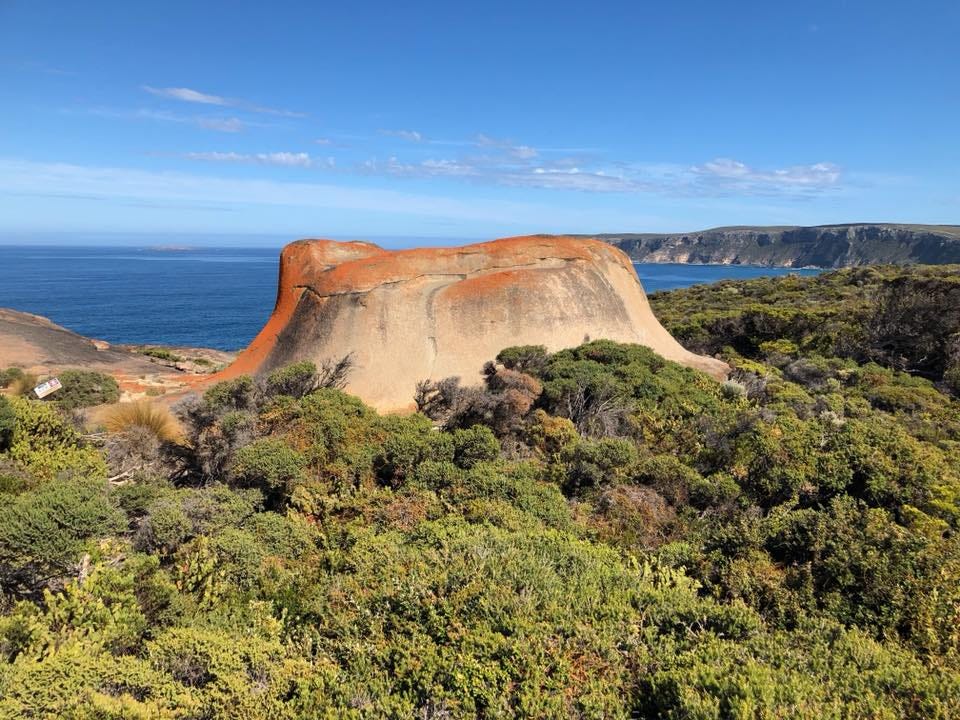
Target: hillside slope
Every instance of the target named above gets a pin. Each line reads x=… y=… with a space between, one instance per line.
x=776 y=246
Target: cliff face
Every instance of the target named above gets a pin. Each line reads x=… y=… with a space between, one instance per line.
x=825 y=246
x=421 y=314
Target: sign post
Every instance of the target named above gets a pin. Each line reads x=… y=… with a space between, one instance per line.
x=47 y=388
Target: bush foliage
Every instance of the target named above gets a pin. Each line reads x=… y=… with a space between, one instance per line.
x=85 y=388
x=596 y=533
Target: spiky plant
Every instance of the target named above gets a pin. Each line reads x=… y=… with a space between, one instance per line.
x=157 y=419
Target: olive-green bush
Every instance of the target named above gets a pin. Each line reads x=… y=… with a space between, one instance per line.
x=595 y=533
x=85 y=388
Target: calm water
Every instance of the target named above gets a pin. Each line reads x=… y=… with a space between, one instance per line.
x=207 y=297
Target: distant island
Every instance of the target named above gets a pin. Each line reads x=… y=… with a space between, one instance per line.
x=826 y=246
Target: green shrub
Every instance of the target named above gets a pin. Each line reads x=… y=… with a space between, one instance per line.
x=594 y=463
x=270 y=464
x=165 y=526
x=678 y=483
x=44 y=445
x=160 y=354
x=295 y=380
x=236 y=394
x=43 y=532
x=787 y=551
x=410 y=442
x=85 y=388
x=952 y=377
x=474 y=445
x=524 y=358
x=8 y=422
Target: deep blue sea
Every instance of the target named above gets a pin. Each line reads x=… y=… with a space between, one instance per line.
x=207 y=297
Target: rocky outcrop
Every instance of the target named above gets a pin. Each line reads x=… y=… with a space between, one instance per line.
x=827 y=246
x=413 y=315
x=37 y=344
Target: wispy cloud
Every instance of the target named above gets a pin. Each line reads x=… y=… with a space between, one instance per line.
x=501 y=162
x=195 y=96
x=737 y=176
x=505 y=162
x=178 y=189
x=484 y=171
x=408 y=135
x=34 y=66
x=187 y=95
x=228 y=125
x=520 y=152
x=208 y=122
x=282 y=159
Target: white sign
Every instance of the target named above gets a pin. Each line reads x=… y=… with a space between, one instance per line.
x=50 y=386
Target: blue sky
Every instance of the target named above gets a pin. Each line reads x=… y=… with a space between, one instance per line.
x=472 y=120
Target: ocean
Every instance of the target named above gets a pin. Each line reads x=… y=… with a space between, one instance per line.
x=206 y=297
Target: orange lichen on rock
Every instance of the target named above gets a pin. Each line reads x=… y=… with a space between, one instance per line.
x=430 y=313
x=300 y=262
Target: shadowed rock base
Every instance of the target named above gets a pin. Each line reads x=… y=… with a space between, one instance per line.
x=420 y=314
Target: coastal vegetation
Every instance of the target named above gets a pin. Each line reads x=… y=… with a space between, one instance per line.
x=161 y=354
x=595 y=533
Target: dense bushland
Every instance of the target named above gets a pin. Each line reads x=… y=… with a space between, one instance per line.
x=593 y=533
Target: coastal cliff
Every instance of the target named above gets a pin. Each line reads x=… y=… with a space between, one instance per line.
x=826 y=246
x=427 y=314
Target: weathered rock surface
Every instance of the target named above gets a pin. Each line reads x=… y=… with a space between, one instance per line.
x=822 y=246
x=420 y=314
x=37 y=344
x=40 y=346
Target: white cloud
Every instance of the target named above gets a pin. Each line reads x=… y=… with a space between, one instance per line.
x=229 y=125
x=523 y=152
x=283 y=159
x=519 y=152
x=408 y=135
x=504 y=163
x=208 y=122
x=195 y=96
x=736 y=175
x=183 y=190
x=572 y=179
x=513 y=165
x=187 y=95
x=484 y=171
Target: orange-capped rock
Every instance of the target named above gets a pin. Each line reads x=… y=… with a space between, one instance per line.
x=431 y=313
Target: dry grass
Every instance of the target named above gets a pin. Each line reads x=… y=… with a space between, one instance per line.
x=157 y=419
x=23 y=385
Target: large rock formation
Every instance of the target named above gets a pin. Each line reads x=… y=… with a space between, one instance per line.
x=822 y=246
x=422 y=314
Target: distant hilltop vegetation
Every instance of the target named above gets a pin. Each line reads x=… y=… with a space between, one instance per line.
x=828 y=246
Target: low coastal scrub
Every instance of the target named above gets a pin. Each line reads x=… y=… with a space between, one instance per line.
x=161 y=354
x=79 y=388
x=85 y=388
x=597 y=532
